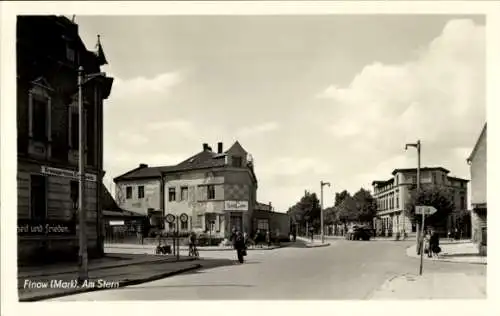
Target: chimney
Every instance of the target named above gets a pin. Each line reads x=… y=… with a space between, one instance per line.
x=205 y=146
x=143 y=165
x=219 y=148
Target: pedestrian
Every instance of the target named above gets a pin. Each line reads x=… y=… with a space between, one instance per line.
x=434 y=244
x=239 y=246
x=427 y=248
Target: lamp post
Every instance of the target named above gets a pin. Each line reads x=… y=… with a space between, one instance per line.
x=417 y=145
x=322 y=220
x=82 y=239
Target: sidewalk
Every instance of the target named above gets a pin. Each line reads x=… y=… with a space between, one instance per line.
x=39 y=283
x=432 y=286
x=314 y=244
x=459 y=251
x=150 y=249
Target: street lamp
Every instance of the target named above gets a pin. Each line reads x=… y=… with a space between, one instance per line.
x=322 y=220
x=82 y=253
x=419 y=238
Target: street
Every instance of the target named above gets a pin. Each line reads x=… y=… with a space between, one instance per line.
x=344 y=270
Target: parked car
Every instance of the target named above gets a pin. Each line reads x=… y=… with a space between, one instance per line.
x=359 y=233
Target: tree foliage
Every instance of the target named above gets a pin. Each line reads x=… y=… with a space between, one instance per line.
x=308 y=209
x=439 y=197
x=366 y=205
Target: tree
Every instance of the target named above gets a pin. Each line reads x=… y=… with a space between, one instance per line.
x=348 y=211
x=306 y=210
x=339 y=197
x=439 y=197
x=366 y=205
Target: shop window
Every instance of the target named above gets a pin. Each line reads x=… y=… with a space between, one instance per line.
x=184 y=225
x=38 y=197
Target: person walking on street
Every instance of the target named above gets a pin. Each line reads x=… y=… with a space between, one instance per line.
x=427 y=247
x=239 y=245
x=434 y=244
x=268 y=239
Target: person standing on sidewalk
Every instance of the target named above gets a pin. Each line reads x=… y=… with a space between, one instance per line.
x=434 y=244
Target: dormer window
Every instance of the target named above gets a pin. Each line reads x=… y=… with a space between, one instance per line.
x=236 y=161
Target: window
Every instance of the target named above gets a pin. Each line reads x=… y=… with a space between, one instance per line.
x=89 y=135
x=70 y=53
x=434 y=177
x=39 y=119
x=443 y=178
x=74 y=131
x=237 y=161
x=184 y=193
x=171 y=226
x=397 y=201
x=140 y=192
x=263 y=224
x=74 y=194
x=171 y=194
x=38 y=197
x=462 y=202
x=211 y=192
x=128 y=192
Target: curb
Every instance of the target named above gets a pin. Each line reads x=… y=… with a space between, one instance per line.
x=112 y=267
x=122 y=284
x=318 y=246
x=211 y=249
x=448 y=260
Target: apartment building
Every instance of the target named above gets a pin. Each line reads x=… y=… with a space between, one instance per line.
x=393 y=194
x=478 y=161
x=49 y=52
x=216 y=189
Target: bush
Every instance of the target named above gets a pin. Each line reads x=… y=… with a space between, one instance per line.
x=207 y=241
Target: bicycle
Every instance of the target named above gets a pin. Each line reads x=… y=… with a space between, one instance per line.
x=193 y=251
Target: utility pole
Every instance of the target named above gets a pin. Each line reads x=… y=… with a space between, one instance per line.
x=322 y=215
x=82 y=254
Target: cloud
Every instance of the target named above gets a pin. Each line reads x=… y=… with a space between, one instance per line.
x=132 y=138
x=137 y=86
x=438 y=97
x=258 y=129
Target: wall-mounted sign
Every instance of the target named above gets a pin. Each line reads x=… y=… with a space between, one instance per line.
x=170 y=218
x=66 y=173
x=29 y=227
x=184 y=217
x=236 y=205
x=116 y=223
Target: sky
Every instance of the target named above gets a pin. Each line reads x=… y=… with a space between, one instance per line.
x=311 y=98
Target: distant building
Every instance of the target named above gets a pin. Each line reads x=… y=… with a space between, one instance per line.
x=217 y=190
x=49 y=52
x=478 y=161
x=393 y=194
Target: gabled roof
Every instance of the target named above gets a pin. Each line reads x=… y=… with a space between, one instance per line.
x=143 y=172
x=473 y=153
x=108 y=203
x=203 y=160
